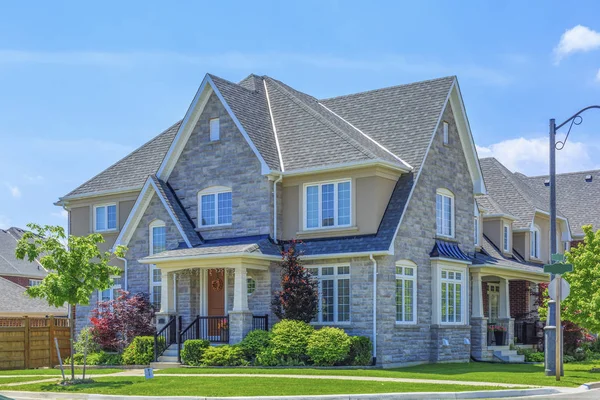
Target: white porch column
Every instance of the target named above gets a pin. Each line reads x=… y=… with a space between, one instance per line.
x=240 y=289
x=477 y=294
x=504 y=306
x=167 y=302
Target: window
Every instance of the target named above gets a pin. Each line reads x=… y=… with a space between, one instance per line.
x=406 y=292
x=534 y=242
x=105 y=217
x=334 y=293
x=251 y=285
x=506 y=238
x=452 y=296
x=214 y=129
x=493 y=301
x=112 y=293
x=35 y=282
x=158 y=243
x=446 y=136
x=215 y=206
x=444 y=211
x=327 y=205
x=476 y=230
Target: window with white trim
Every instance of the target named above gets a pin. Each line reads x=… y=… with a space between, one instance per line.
x=452 y=310
x=534 y=242
x=334 y=293
x=215 y=206
x=506 y=238
x=476 y=230
x=35 y=282
x=158 y=243
x=406 y=292
x=493 y=302
x=444 y=212
x=250 y=285
x=445 y=133
x=214 y=127
x=327 y=204
x=105 y=217
x=112 y=293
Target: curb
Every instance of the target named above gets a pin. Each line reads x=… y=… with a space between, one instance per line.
x=590 y=386
x=483 y=394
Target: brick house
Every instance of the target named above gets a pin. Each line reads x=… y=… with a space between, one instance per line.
x=380 y=186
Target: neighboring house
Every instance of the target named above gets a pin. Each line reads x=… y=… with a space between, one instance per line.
x=380 y=187
x=15 y=276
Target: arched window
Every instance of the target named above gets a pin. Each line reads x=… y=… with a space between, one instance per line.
x=214 y=206
x=406 y=292
x=534 y=242
x=444 y=212
x=158 y=243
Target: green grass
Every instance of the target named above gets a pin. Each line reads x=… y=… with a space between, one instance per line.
x=238 y=386
x=14 y=379
x=526 y=374
x=49 y=371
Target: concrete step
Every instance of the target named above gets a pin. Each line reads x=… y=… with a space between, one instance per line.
x=167 y=359
x=163 y=365
x=509 y=356
x=170 y=352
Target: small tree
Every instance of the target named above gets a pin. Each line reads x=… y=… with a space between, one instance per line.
x=76 y=268
x=116 y=322
x=298 y=297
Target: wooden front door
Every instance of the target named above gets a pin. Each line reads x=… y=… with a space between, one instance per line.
x=216 y=292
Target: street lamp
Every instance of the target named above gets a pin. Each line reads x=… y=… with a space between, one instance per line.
x=554 y=307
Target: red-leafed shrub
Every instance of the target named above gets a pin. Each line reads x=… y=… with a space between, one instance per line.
x=115 y=323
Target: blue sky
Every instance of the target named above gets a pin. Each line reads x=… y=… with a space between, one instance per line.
x=81 y=85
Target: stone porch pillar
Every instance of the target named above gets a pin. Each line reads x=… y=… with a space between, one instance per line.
x=240 y=318
x=478 y=321
x=504 y=311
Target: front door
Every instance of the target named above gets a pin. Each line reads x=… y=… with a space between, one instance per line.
x=216 y=300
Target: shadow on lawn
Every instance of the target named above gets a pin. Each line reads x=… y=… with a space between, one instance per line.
x=83 y=386
x=473 y=367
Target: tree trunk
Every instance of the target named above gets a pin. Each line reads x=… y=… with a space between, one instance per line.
x=72 y=334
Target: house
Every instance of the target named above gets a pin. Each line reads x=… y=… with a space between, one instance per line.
x=380 y=186
x=17 y=275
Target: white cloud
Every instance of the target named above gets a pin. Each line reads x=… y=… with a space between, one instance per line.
x=577 y=39
x=4 y=222
x=33 y=178
x=14 y=190
x=62 y=214
x=530 y=156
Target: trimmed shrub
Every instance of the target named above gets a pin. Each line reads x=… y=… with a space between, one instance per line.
x=141 y=350
x=328 y=346
x=193 y=350
x=98 y=358
x=361 y=351
x=86 y=339
x=223 y=356
x=254 y=343
x=290 y=338
x=267 y=358
x=531 y=355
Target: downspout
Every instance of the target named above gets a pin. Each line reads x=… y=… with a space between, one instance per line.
x=374 y=308
x=275 y=207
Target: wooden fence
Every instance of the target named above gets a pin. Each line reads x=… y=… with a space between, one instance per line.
x=29 y=342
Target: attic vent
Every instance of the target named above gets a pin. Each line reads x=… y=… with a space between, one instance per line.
x=588 y=178
x=547 y=182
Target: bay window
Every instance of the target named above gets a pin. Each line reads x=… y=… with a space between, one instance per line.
x=334 y=293
x=452 y=295
x=327 y=205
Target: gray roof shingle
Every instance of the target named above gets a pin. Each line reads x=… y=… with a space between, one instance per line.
x=9 y=264
x=577 y=198
x=16 y=301
x=489 y=205
x=490 y=255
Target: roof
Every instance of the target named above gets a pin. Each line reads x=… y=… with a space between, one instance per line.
x=491 y=255
x=577 y=198
x=512 y=193
x=16 y=302
x=9 y=264
x=248 y=244
x=445 y=249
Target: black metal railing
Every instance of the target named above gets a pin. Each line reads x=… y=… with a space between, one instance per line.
x=526 y=332
x=165 y=337
x=260 y=322
x=215 y=329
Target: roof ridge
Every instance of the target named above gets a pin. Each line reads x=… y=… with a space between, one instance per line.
x=323 y=120
x=232 y=83
x=564 y=173
x=503 y=170
x=390 y=87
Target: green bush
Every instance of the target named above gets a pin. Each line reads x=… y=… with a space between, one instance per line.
x=84 y=339
x=193 y=350
x=254 y=343
x=141 y=350
x=328 y=346
x=567 y=359
x=361 y=351
x=98 y=358
x=224 y=356
x=290 y=338
x=531 y=355
x=267 y=358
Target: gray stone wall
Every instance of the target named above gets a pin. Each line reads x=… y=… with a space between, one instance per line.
x=227 y=162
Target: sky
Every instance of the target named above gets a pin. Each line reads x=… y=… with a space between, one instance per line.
x=82 y=84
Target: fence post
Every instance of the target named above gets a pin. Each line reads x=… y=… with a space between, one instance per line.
x=26 y=342
x=267 y=322
x=197 y=327
x=51 y=335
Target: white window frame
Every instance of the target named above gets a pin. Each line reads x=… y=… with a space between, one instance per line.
x=105 y=206
x=152 y=267
x=493 y=291
x=446 y=135
x=463 y=293
x=534 y=251
x=34 y=282
x=214 y=127
x=476 y=230
x=506 y=238
x=215 y=191
x=404 y=277
x=111 y=289
x=320 y=204
x=250 y=283
x=318 y=320
x=445 y=193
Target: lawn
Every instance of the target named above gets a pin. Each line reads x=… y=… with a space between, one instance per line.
x=238 y=386
x=14 y=379
x=526 y=374
x=49 y=371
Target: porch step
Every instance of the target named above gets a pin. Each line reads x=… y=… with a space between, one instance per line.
x=164 y=358
x=509 y=356
x=170 y=352
x=163 y=365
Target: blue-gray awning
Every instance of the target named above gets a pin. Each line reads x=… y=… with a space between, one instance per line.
x=446 y=249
